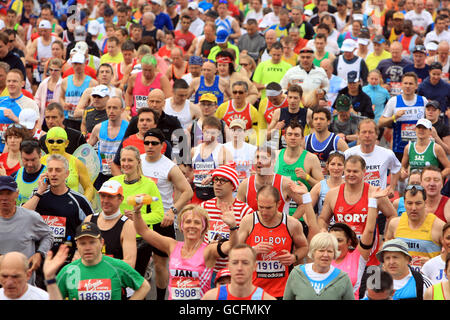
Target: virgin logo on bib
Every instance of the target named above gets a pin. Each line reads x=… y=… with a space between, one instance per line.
x=94 y=289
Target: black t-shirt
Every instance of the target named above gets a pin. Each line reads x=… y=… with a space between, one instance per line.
x=94 y=117
x=75 y=138
x=442 y=129
x=14 y=62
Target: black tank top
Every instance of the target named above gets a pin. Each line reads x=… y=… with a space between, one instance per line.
x=206 y=48
x=113 y=246
x=285 y=115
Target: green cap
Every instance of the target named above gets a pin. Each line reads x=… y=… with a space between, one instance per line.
x=56 y=132
x=343 y=103
x=149 y=59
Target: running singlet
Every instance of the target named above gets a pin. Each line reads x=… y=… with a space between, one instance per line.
x=244 y=114
x=113 y=244
x=189 y=278
x=224 y=294
x=420 y=241
x=420 y=160
x=354 y=265
x=438 y=292
x=140 y=92
x=355 y=217
x=11 y=104
x=202 y=168
x=107 y=147
x=270 y=108
x=214 y=89
x=322 y=149
x=404 y=128
x=287 y=117
x=251 y=193
x=270 y=274
x=74 y=93
x=440 y=209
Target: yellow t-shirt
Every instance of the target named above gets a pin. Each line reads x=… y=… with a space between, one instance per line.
x=107 y=58
x=372 y=61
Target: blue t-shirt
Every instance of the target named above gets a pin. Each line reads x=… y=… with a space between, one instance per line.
x=421 y=73
x=163 y=20
x=379 y=97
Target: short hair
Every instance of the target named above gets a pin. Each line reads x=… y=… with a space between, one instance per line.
x=336 y=154
x=269 y=190
x=4 y=37
x=185 y=16
x=412 y=75
x=293 y=124
x=180 y=84
x=29 y=145
x=241 y=84
x=368 y=120
x=135 y=25
x=324 y=26
x=114 y=39
x=212 y=121
x=440 y=17
x=55 y=106
x=356 y=159
x=127 y=46
x=59 y=157
x=55 y=62
x=321 y=36
x=252 y=21
x=241 y=246
x=296 y=88
x=195 y=209
x=4 y=66
x=415 y=189
x=148 y=110
x=123 y=31
x=277 y=45
x=322 y=110
x=431 y=168
x=323 y=240
x=386 y=282
x=17 y=71
x=274 y=86
x=17 y=130
x=105 y=65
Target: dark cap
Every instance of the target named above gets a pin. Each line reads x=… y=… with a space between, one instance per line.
x=352 y=76
x=420 y=48
x=212 y=13
x=171 y=3
x=341 y=3
x=436 y=65
x=306 y=50
x=108 y=12
x=434 y=104
x=357 y=5
x=155 y=132
x=8 y=183
x=88 y=229
x=379 y=39
x=343 y=103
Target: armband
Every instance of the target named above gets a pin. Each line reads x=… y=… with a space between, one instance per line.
x=306 y=198
x=49 y=281
x=372 y=203
x=219 y=248
x=365 y=246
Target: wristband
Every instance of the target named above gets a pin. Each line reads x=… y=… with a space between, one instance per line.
x=393 y=118
x=234 y=228
x=306 y=198
x=307 y=177
x=373 y=203
x=50 y=281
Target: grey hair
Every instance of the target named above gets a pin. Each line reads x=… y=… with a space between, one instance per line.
x=59 y=157
x=323 y=240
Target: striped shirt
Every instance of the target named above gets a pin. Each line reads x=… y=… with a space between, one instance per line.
x=218 y=228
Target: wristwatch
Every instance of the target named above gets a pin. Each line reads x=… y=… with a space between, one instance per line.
x=174 y=210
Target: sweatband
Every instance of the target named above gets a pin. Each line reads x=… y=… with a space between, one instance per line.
x=306 y=198
x=373 y=203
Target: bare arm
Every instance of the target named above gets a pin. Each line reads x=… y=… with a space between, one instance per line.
x=128 y=240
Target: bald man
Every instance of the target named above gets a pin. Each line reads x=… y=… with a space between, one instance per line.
x=14 y=276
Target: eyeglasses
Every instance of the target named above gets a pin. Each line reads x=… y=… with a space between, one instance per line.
x=53 y=141
x=414 y=186
x=238 y=92
x=220 y=181
x=153 y=143
x=15 y=125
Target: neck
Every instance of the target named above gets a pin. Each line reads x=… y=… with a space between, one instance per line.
x=322 y=135
x=335 y=180
x=225 y=199
x=59 y=190
x=8 y=212
x=409 y=97
x=293 y=152
x=14 y=154
x=15 y=95
x=433 y=199
x=131 y=176
x=241 y=290
x=153 y=159
x=320 y=269
x=367 y=148
x=94 y=262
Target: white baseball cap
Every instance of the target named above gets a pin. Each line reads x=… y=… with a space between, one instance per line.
x=28 y=118
x=348 y=45
x=78 y=58
x=94 y=27
x=424 y=122
x=100 y=90
x=193 y=5
x=81 y=47
x=157 y=2
x=45 y=24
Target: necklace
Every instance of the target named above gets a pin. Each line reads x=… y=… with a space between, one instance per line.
x=131 y=181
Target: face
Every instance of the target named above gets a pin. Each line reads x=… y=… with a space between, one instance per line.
x=222 y=10
x=122 y=18
x=373 y=79
x=156 y=102
x=210 y=133
x=422 y=132
x=445 y=241
x=148 y=71
x=114 y=109
x=177 y=57
x=293 y=99
x=8 y=200
x=409 y=85
x=113 y=48
x=90 y=249
x=267 y=207
x=419 y=58
x=13 y=142
x=319 y=44
x=306 y=60
x=168 y=39
x=99 y=102
x=78 y=68
x=152 y=147
x=252 y=28
x=208 y=70
x=192 y=225
x=209 y=33
x=396 y=52
x=415 y=205
x=223 y=69
x=57 y=173
x=435 y=76
x=395 y=263
x=128 y=162
x=56 y=145
x=146 y=121
x=195 y=70
x=12 y=42
x=293 y=137
x=368 y=134
x=276 y=55
x=442 y=52
x=222 y=187
x=335 y=167
x=432 y=182
x=320 y=122
x=13 y=279
x=31 y=162
x=353 y=172
x=136 y=34
x=263 y=161
x=53 y=118
x=110 y=203
x=432 y=114
x=239 y=94
x=271 y=38
x=207 y=108
x=343 y=241
x=323 y=257
x=55 y=70
x=185 y=24
x=14 y=82
x=241 y=265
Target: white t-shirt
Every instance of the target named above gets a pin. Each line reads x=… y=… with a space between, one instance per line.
x=435 y=269
x=316 y=277
x=421 y=20
x=269 y=20
x=243 y=158
x=378 y=162
x=32 y=293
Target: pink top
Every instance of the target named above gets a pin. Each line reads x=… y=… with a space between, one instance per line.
x=189 y=279
x=354 y=265
x=140 y=92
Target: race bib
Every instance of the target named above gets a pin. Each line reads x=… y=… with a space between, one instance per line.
x=185 y=288
x=106 y=159
x=57 y=225
x=268 y=267
x=408 y=132
x=373 y=178
x=94 y=289
x=217 y=230
x=140 y=102
x=415 y=263
x=396 y=88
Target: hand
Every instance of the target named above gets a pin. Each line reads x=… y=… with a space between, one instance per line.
x=228 y=215
x=399 y=113
x=42 y=183
x=2 y=169
x=35 y=260
x=377 y=192
x=300 y=173
x=403 y=174
x=263 y=247
x=434 y=134
x=168 y=218
x=280 y=125
x=298 y=187
x=129 y=214
x=286 y=258
x=10 y=115
x=391 y=192
x=207 y=180
x=53 y=263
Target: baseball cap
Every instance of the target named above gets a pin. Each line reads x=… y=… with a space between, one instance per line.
x=364 y=41
x=28 y=118
x=100 y=90
x=343 y=103
x=341 y=3
x=237 y=123
x=348 y=45
x=81 y=47
x=196 y=60
x=87 y=229
x=398 y=15
x=394 y=245
x=157 y=2
x=424 y=122
x=222 y=35
x=221 y=274
x=208 y=97
x=431 y=46
x=94 y=27
x=436 y=65
x=357 y=5
x=420 y=48
x=434 y=104
x=277 y=3
x=79 y=34
x=352 y=76
x=111 y=187
x=45 y=24
x=193 y=5
x=227 y=172
x=8 y=183
x=171 y=3
x=108 y=12
x=78 y=58
x=379 y=39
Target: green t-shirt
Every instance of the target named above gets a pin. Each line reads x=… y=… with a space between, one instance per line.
x=267 y=72
x=145 y=185
x=104 y=281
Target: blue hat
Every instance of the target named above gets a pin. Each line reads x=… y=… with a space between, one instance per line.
x=8 y=183
x=222 y=36
x=196 y=60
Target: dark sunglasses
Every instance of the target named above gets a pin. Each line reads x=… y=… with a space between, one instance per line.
x=238 y=92
x=15 y=125
x=153 y=143
x=414 y=186
x=59 y=141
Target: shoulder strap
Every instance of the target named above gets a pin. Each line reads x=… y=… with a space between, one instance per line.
x=419 y=283
x=222 y=294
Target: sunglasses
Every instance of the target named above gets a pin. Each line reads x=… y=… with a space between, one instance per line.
x=238 y=92
x=59 y=141
x=153 y=143
x=414 y=186
x=15 y=125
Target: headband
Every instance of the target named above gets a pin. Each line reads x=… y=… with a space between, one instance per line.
x=224 y=60
x=273 y=93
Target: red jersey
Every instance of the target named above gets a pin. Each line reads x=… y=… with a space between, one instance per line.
x=355 y=216
x=250 y=196
x=184 y=40
x=87 y=70
x=440 y=209
x=270 y=274
x=244 y=114
x=270 y=108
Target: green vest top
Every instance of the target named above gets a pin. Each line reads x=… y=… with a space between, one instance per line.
x=26 y=188
x=421 y=160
